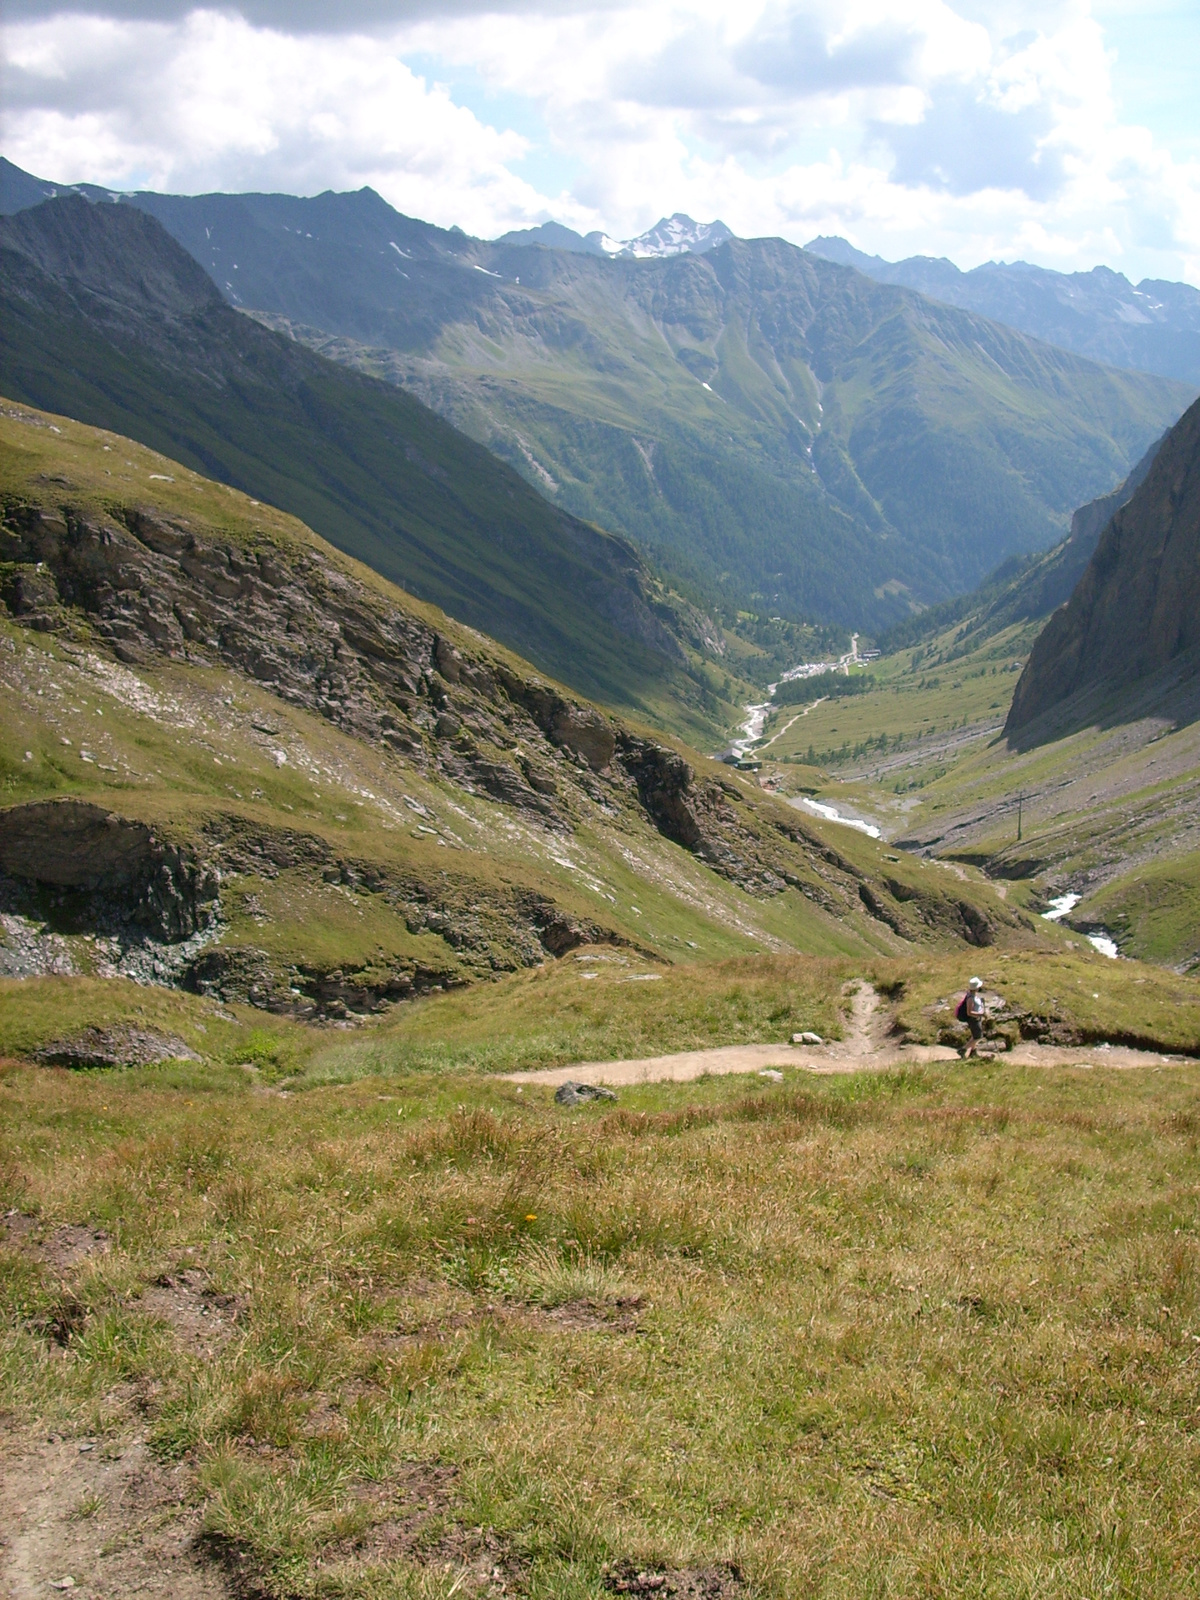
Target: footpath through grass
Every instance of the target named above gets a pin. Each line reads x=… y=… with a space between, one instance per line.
x=932 y=1333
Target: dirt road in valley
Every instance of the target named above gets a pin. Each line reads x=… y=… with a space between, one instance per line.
x=867 y=1047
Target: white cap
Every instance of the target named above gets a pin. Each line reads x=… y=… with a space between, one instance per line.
x=976 y=983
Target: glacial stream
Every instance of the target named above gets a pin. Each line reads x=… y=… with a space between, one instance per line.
x=756 y=721
x=1062 y=905
x=752 y=731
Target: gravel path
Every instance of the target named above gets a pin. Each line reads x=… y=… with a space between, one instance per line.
x=866 y=1048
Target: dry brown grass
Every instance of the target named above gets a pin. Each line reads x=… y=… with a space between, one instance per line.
x=926 y=1333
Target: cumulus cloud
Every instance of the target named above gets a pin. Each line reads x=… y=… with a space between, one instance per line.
x=966 y=142
x=960 y=127
x=214 y=103
x=281 y=16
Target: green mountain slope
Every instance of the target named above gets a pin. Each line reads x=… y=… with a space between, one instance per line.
x=1154 y=327
x=252 y=768
x=1024 y=589
x=104 y=317
x=856 y=448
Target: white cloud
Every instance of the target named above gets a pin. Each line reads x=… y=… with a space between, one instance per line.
x=211 y=102
x=910 y=125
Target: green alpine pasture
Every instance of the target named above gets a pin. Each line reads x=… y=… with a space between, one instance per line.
x=928 y=1332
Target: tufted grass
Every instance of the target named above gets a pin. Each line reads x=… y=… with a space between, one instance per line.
x=932 y=1332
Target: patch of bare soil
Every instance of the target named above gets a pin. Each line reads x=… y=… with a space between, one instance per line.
x=410 y=1526
x=482 y=1560
x=682 y=1067
x=586 y=1314
x=61 y=1247
x=724 y=1582
x=104 y=1514
x=596 y=1316
x=867 y=1034
x=200 y=1315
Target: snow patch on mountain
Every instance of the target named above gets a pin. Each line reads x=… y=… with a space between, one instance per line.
x=670 y=236
x=676 y=236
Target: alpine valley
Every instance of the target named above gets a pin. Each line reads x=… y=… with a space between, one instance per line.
x=457 y=1138
x=776 y=430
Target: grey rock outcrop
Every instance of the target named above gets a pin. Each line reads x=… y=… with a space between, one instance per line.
x=151 y=586
x=1136 y=609
x=121 y=1046
x=577 y=1094
x=122 y=865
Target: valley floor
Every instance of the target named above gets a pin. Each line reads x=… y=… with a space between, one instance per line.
x=1106 y=807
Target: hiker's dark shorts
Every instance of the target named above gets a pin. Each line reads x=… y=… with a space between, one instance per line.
x=976 y=1026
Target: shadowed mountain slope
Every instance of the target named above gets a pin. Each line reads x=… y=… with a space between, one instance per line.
x=1023 y=589
x=1136 y=610
x=776 y=428
x=105 y=317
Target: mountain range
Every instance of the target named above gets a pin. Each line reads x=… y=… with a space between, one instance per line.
x=1151 y=327
x=670 y=236
x=779 y=432
x=105 y=318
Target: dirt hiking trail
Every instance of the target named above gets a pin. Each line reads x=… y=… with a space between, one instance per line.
x=102 y=1518
x=868 y=1046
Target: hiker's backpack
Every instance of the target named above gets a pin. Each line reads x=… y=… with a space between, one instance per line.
x=961 y=1013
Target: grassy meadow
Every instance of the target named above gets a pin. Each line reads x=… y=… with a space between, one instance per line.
x=931 y=1332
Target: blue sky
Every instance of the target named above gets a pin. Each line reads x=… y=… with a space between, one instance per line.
x=1063 y=131
x=1156 y=73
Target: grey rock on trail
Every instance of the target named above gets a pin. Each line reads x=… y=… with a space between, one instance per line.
x=575 y=1094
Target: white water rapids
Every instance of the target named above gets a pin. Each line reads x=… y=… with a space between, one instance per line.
x=1062 y=905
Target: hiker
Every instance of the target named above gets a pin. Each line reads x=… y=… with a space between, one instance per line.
x=972 y=1010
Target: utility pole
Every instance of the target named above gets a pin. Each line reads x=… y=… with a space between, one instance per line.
x=1020 y=804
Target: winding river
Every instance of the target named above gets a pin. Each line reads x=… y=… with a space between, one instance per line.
x=756 y=721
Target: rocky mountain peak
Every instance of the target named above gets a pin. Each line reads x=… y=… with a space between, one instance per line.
x=676 y=235
x=116 y=255
x=670 y=236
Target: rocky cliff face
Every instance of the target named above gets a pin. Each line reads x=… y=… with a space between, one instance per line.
x=1136 y=609
x=151 y=587
x=119 y=869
